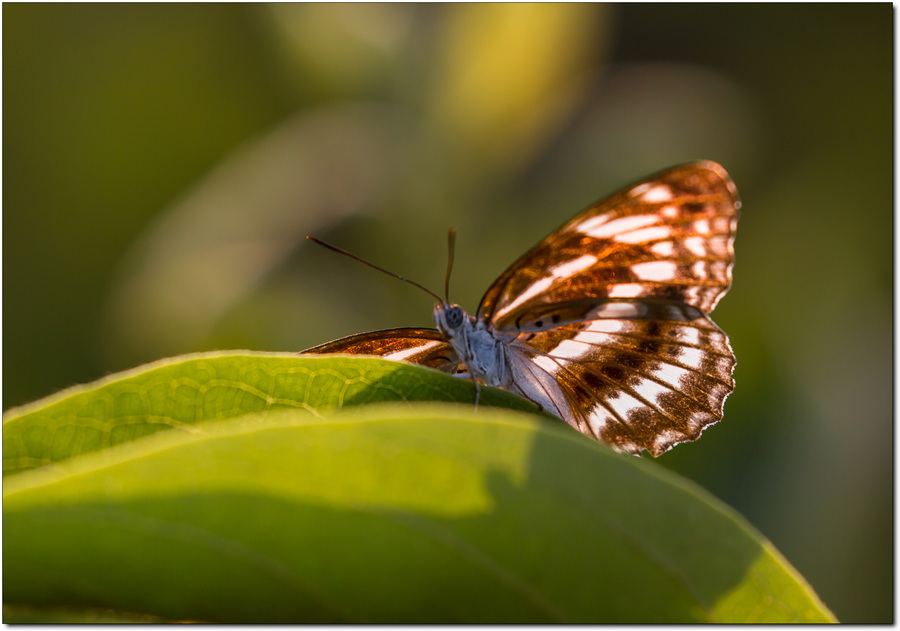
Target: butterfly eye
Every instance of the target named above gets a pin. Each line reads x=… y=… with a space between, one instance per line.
x=454 y=316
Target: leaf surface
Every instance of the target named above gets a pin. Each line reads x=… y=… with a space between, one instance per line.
x=387 y=513
x=179 y=392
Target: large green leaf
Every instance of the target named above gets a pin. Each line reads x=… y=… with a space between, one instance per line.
x=382 y=513
x=178 y=392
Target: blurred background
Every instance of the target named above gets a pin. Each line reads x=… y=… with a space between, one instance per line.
x=162 y=165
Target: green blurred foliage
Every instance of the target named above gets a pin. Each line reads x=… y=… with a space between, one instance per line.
x=162 y=164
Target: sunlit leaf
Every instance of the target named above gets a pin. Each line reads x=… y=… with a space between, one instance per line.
x=388 y=513
x=178 y=392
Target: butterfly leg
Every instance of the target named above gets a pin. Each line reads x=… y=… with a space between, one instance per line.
x=477 y=392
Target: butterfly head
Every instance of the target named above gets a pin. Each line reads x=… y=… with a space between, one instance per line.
x=449 y=318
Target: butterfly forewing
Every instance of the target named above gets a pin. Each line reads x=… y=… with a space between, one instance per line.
x=416 y=346
x=669 y=237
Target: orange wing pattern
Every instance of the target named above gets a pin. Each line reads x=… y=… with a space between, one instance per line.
x=669 y=237
x=635 y=383
x=416 y=346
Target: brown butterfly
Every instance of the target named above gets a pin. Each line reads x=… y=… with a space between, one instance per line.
x=604 y=322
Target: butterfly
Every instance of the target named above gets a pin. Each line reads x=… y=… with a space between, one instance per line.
x=605 y=322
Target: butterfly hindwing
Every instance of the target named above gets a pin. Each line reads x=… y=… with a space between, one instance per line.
x=649 y=381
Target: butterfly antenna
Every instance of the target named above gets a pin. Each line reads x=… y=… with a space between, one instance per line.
x=365 y=262
x=451 y=245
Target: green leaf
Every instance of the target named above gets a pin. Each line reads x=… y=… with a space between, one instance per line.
x=253 y=502
x=179 y=392
x=387 y=513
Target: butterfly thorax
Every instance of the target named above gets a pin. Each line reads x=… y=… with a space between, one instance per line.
x=479 y=348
